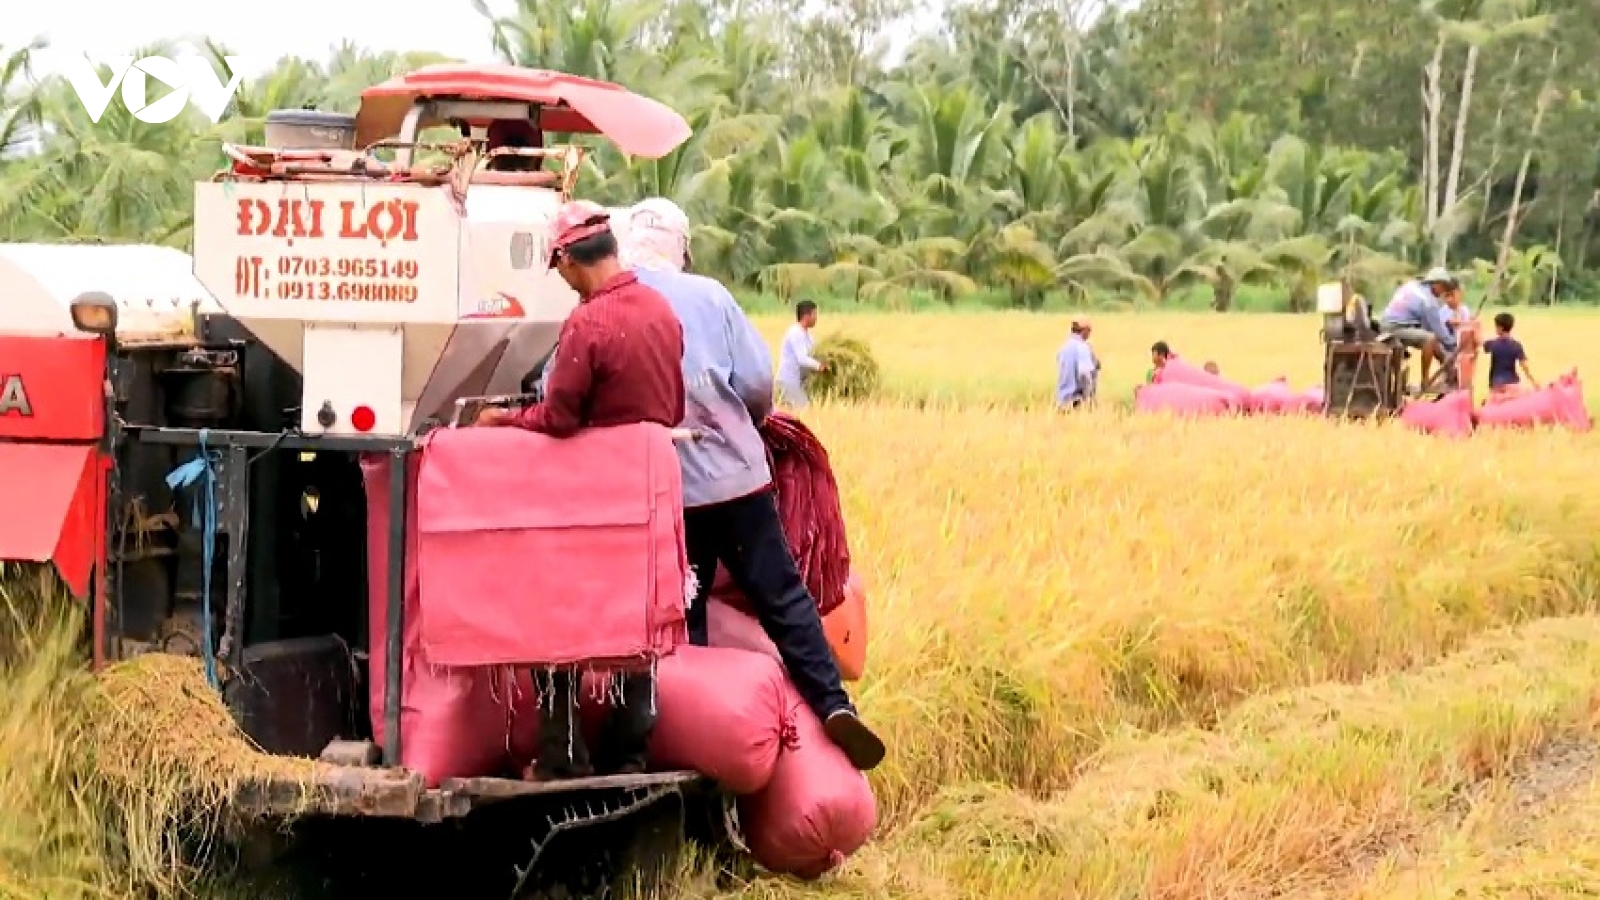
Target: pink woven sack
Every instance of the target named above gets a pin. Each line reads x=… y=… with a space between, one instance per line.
x=1451 y=416
x=1182 y=399
x=539 y=551
x=454 y=723
x=816 y=810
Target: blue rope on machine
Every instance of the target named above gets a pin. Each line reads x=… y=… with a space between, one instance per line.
x=200 y=470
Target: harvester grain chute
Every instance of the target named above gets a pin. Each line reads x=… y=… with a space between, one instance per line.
x=349 y=285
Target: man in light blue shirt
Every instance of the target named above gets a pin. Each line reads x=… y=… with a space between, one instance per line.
x=794 y=356
x=1414 y=317
x=1076 y=368
x=730 y=511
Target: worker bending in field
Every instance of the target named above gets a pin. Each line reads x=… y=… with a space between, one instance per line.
x=1077 y=370
x=617 y=364
x=1413 y=317
x=794 y=356
x=730 y=511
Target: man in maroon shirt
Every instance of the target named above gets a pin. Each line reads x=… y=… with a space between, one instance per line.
x=618 y=361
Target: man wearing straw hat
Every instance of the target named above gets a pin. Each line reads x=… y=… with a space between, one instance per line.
x=730 y=512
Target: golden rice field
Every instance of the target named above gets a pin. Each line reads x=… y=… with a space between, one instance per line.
x=1107 y=649
x=1009 y=358
x=1120 y=658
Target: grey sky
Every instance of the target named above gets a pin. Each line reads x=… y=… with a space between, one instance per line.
x=307 y=28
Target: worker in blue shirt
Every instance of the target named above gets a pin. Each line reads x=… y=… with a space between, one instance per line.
x=1414 y=317
x=1077 y=370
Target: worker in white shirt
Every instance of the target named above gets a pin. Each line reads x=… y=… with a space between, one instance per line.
x=794 y=357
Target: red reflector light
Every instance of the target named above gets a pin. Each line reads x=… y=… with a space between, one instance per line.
x=362 y=418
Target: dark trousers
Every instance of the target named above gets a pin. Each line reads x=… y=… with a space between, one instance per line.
x=746 y=536
x=623 y=741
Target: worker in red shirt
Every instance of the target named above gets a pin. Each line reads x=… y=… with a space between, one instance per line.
x=618 y=362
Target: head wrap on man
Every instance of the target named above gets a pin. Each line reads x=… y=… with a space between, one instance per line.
x=657 y=235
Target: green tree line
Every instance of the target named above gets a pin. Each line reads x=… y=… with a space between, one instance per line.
x=1017 y=150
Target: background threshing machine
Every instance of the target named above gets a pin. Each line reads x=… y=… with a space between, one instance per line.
x=1363 y=372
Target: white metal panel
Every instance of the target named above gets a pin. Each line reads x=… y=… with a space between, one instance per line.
x=155 y=288
x=373 y=381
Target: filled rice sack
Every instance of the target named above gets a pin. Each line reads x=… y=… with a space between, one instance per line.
x=816 y=810
x=1541 y=407
x=1570 y=389
x=729 y=625
x=1181 y=399
x=721 y=712
x=1451 y=416
x=454 y=723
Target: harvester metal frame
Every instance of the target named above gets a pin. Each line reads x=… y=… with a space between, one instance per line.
x=234 y=517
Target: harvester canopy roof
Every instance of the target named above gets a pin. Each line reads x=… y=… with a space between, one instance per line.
x=154 y=287
x=567 y=104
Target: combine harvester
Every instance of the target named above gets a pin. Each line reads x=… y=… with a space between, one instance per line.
x=339 y=303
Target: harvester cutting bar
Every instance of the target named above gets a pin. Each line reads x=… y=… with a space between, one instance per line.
x=401 y=794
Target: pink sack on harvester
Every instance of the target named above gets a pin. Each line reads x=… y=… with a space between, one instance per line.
x=1451 y=416
x=1176 y=371
x=727 y=626
x=722 y=713
x=454 y=723
x=1182 y=399
x=535 y=550
x=816 y=810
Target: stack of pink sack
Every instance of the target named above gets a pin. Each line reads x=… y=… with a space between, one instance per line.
x=732 y=715
x=1276 y=397
x=454 y=723
x=1184 y=390
x=1559 y=403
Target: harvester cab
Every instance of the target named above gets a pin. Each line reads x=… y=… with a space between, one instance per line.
x=193 y=440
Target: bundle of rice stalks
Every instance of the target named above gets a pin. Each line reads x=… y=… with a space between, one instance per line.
x=167 y=760
x=114 y=784
x=850 y=372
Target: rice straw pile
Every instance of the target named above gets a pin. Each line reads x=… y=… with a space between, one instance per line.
x=110 y=783
x=168 y=760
